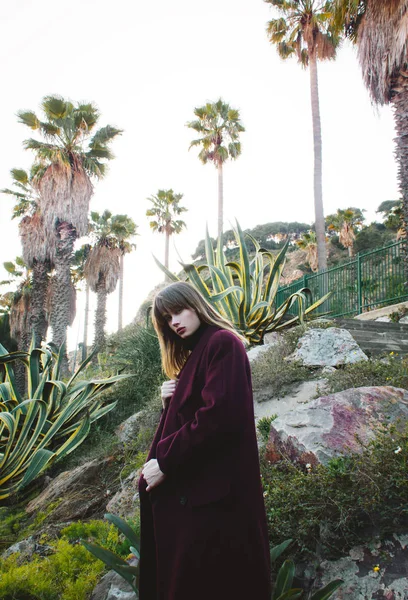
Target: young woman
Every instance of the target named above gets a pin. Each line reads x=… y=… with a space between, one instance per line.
x=203 y=523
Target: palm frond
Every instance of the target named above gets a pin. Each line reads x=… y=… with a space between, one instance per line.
x=28 y=118
x=104 y=135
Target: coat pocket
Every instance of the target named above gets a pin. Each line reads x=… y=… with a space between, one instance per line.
x=202 y=495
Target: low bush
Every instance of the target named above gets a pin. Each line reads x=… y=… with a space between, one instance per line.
x=387 y=371
x=328 y=509
x=134 y=350
x=270 y=370
x=69 y=572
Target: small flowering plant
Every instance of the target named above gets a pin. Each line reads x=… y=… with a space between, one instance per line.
x=283 y=585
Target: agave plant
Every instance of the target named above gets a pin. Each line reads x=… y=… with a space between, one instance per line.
x=244 y=291
x=53 y=420
x=129 y=572
x=283 y=586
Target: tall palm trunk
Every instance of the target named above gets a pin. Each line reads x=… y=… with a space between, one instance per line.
x=86 y=321
x=220 y=200
x=100 y=317
x=61 y=297
x=38 y=319
x=317 y=145
x=120 y=315
x=400 y=102
x=166 y=253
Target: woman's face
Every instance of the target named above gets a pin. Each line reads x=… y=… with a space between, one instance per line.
x=184 y=322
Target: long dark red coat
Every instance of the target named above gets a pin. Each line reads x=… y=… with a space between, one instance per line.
x=203 y=530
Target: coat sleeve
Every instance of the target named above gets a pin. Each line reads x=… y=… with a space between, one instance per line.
x=226 y=398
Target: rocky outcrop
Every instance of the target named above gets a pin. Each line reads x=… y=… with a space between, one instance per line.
x=317 y=431
x=124 y=502
x=377 y=571
x=128 y=430
x=330 y=347
x=113 y=587
x=77 y=494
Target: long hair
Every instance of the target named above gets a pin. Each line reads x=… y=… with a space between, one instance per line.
x=174 y=298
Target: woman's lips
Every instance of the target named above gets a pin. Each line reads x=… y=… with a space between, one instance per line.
x=181 y=330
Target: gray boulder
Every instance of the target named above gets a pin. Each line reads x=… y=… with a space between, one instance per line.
x=330 y=347
x=77 y=494
x=128 y=430
x=255 y=352
x=317 y=431
x=124 y=502
x=113 y=587
x=25 y=548
x=376 y=571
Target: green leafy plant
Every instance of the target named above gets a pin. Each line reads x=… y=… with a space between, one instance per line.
x=54 y=419
x=283 y=587
x=68 y=573
x=129 y=572
x=391 y=370
x=244 y=291
x=264 y=426
x=333 y=507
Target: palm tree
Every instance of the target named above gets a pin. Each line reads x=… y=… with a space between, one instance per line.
x=6 y=302
x=78 y=275
x=124 y=228
x=392 y=215
x=380 y=29
x=19 y=303
x=308 y=243
x=102 y=269
x=71 y=155
x=219 y=127
x=38 y=248
x=346 y=222
x=305 y=29
x=165 y=208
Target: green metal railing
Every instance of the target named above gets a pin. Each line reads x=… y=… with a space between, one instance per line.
x=363 y=283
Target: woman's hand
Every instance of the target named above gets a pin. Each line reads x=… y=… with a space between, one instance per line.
x=152 y=474
x=167 y=390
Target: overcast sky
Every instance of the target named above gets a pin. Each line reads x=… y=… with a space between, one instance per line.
x=146 y=66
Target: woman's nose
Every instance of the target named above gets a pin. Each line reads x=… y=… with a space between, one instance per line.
x=175 y=320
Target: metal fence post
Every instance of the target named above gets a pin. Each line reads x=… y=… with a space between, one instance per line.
x=359 y=286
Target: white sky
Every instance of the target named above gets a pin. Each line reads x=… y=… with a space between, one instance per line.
x=147 y=65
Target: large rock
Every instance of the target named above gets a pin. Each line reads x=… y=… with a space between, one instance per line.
x=330 y=347
x=128 y=430
x=376 y=571
x=124 y=502
x=113 y=587
x=322 y=428
x=77 y=494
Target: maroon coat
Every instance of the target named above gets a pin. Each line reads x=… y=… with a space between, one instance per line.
x=203 y=530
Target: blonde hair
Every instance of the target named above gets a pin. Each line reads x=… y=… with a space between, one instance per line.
x=174 y=298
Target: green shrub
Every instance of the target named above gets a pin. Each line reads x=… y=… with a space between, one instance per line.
x=134 y=350
x=128 y=571
x=12 y=521
x=328 y=509
x=390 y=371
x=264 y=426
x=270 y=370
x=70 y=573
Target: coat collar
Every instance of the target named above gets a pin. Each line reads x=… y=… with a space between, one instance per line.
x=199 y=340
